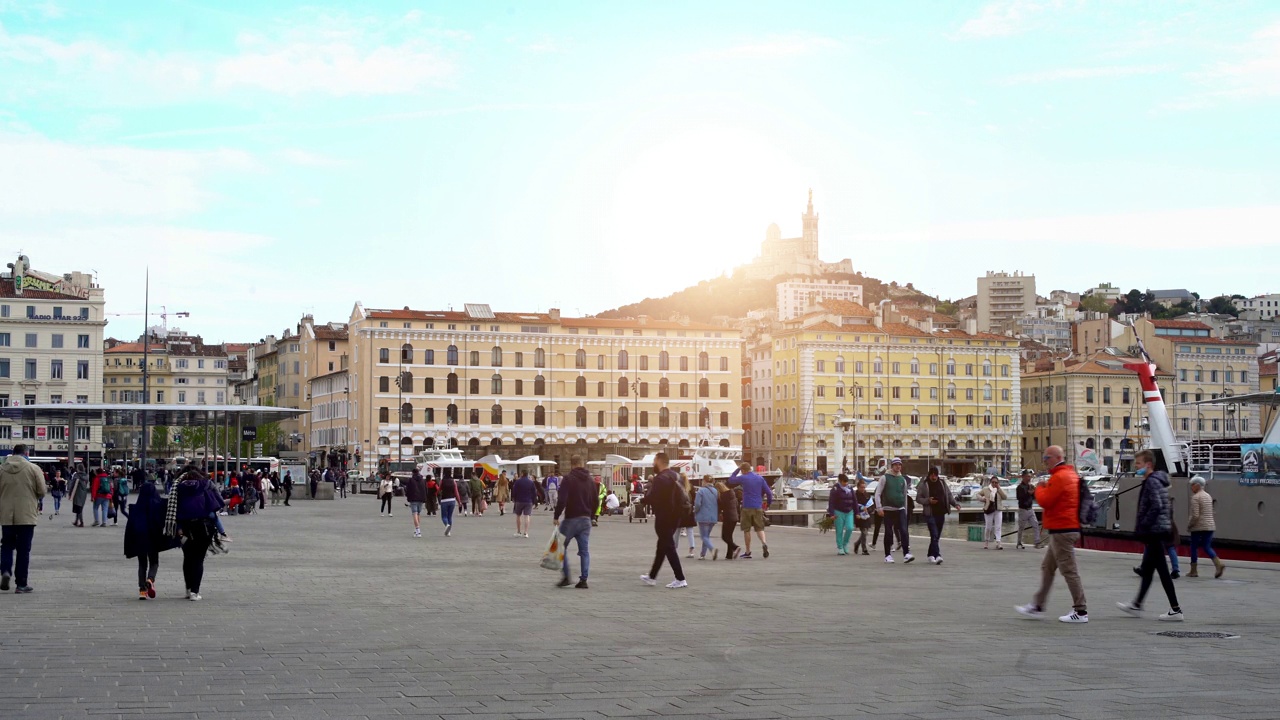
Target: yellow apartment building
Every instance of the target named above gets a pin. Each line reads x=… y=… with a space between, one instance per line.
x=1091 y=406
x=537 y=383
x=930 y=395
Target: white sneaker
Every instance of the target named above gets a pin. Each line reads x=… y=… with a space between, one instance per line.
x=932 y=560
x=1172 y=616
x=526 y=534
x=1030 y=612
x=908 y=558
x=519 y=534
x=701 y=557
x=648 y=580
x=1129 y=609
x=939 y=559
x=193 y=596
x=1074 y=617
x=888 y=559
x=676 y=585
x=381 y=514
x=448 y=530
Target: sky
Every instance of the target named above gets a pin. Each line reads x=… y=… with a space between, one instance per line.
x=268 y=159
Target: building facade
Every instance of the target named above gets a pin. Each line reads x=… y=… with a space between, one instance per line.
x=1259 y=307
x=797 y=297
x=537 y=383
x=1090 y=406
x=941 y=397
x=759 y=391
x=1003 y=298
x=50 y=352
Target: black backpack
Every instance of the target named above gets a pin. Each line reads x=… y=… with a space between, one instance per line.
x=1088 y=506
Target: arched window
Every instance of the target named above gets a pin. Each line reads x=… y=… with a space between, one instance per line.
x=474 y=416
x=704 y=388
x=664 y=388
x=664 y=417
x=839 y=364
x=622 y=386
x=539 y=385
x=580 y=359
x=580 y=417
x=704 y=362
x=986 y=419
x=1106 y=443
x=406 y=381
x=951 y=367
x=1089 y=443
x=496 y=384
x=540 y=416
x=539 y=358
x=474 y=357
x=704 y=418
x=452 y=355
x=451 y=384
x=951 y=418
x=724 y=419
x=623 y=418
x=724 y=389
x=406 y=413
x=495 y=415
x=497 y=356
x=451 y=414
x=622 y=360
x=915 y=391
x=877 y=366
x=580 y=386
x=664 y=361
x=406 y=354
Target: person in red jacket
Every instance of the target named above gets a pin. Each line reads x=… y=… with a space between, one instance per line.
x=1059 y=496
x=102 y=492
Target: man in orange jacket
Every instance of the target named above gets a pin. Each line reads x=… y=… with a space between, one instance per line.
x=1059 y=496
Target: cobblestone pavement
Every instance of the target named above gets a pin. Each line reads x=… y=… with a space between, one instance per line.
x=325 y=609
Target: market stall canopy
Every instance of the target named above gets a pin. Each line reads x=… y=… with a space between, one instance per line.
x=132 y=414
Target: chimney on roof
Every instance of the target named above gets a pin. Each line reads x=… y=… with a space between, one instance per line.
x=971 y=326
x=554 y=314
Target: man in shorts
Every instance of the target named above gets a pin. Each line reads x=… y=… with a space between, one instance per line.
x=415 y=493
x=754 y=492
x=524 y=493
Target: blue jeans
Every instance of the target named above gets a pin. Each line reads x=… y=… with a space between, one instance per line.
x=446 y=511
x=100 y=506
x=16 y=537
x=704 y=531
x=57 y=504
x=217 y=522
x=578 y=528
x=935 y=523
x=1202 y=539
x=1172 y=550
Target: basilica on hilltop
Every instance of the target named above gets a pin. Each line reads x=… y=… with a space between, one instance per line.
x=794 y=256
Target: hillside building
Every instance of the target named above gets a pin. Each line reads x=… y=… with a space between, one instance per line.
x=794 y=256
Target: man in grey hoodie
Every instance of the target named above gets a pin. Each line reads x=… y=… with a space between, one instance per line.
x=21 y=487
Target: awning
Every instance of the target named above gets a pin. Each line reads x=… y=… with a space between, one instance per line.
x=132 y=414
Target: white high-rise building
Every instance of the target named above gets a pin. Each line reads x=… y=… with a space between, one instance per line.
x=1004 y=297
x=796 y=297
x=50 y=352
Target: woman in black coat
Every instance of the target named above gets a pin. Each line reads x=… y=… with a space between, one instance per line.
x=144 y=537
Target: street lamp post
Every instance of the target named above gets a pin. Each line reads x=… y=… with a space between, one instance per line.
x=400 y=413
x=635 y=421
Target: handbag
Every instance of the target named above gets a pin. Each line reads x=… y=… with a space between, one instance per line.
x=553 y=556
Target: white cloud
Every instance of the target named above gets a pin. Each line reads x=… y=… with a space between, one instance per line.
x=776 y=47
x=1255 y=75
x=336 y=68
x=1084 y=73
x=1008 y=17
x=306 y=158
x=51 y=178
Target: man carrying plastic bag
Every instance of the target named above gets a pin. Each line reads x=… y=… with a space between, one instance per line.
x=577 y=502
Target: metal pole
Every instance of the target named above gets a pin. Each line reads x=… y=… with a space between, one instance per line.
x=146 y=354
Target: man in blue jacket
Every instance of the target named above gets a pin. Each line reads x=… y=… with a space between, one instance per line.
x=524 y=493
x=754 y=492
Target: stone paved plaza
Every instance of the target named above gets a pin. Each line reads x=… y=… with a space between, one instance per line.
x=325 y=609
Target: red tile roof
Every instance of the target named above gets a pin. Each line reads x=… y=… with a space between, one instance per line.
x=921 y=315
x=903 y=330
x=1180 y=325
x=7 y=291
x=634 y=323
x=237 y=347
x=135 y=347
x=847 y=307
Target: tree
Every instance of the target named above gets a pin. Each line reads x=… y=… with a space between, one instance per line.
x=946 y=307
x=1222 y=305
x=1095 y=303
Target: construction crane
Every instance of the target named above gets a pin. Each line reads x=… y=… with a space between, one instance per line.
x=164 y=317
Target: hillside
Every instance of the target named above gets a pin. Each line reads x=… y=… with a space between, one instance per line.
x=737 y=295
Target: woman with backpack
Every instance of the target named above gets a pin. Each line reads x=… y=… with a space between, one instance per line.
x=687 y=522
x=120 y=497
x=706 y=511
x=144 y=537
x=193 y=501
x=101 y=498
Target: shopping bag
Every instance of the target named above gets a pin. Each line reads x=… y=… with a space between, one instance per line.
x=553 y=558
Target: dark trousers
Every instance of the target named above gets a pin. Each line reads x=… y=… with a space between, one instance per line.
x=875 y=535
x=288 y=493
x=262 y=501
x=862 y=538
x=666 y=550
x=148 y=566
x=895 y=521
x=16 y=538
x=121 y=504
x=193 y=552
x=386 y=503
x=1153 y=562
x=936 y=523
x=726 y=534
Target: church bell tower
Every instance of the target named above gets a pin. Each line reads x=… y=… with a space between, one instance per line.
x=809 y=221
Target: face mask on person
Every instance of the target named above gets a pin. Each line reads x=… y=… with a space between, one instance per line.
x=1142 y=472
